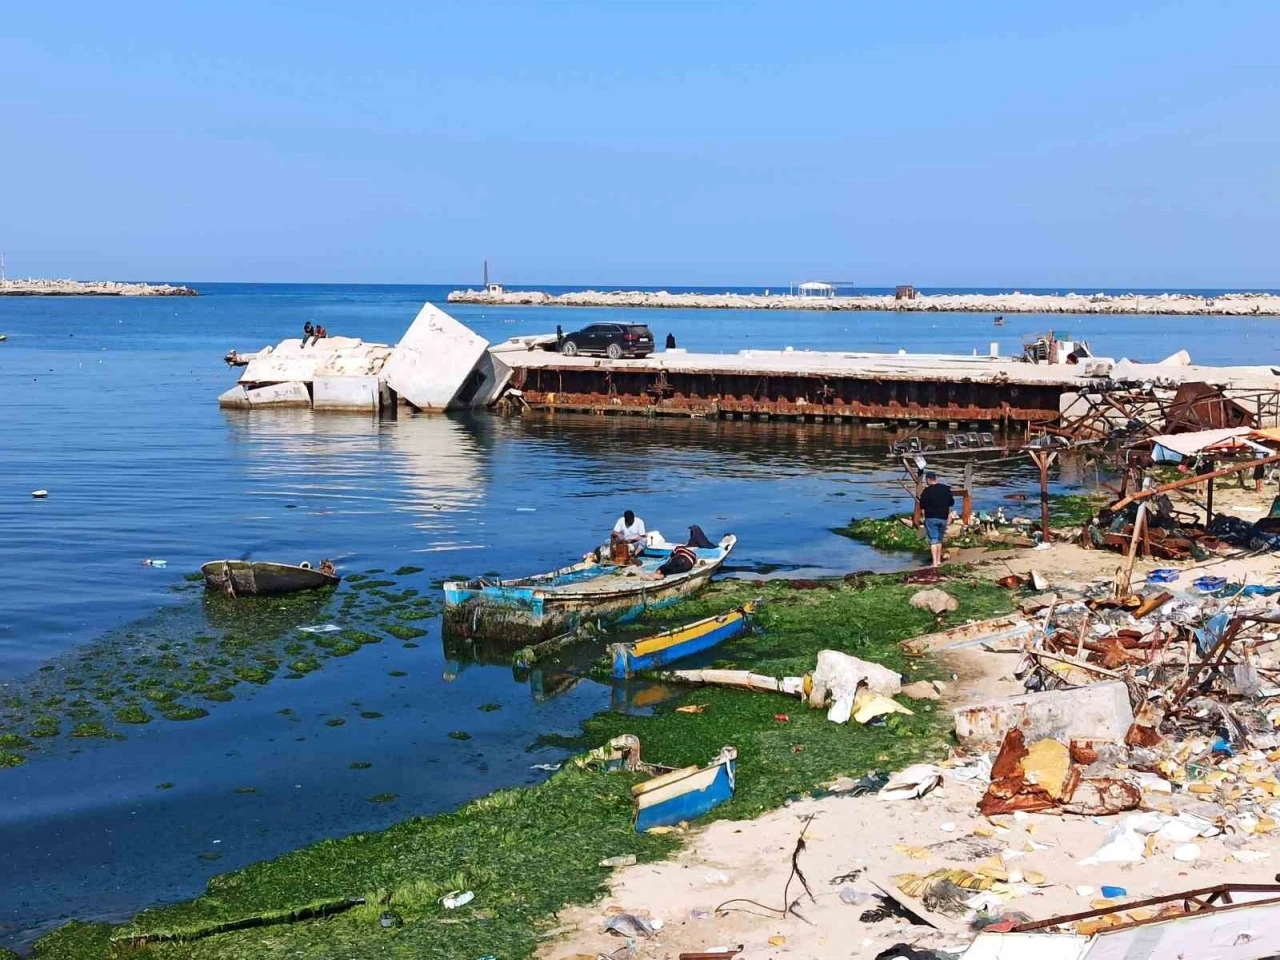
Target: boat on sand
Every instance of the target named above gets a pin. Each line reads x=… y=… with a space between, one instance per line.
x=261 y=578
x=686 y=794
x=597 y=590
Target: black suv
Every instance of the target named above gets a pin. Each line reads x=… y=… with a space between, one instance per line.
x=614 y=340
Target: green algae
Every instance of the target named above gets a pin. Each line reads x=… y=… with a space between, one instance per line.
x=15 y=742
x=402 y=632
x=408 y=571
x=370 y=715
x=528 y=853
x=164 y=786
x=9 y=759
x=383 y=798
x=396 y=673
x=1073 y=509
x=87 y=730
x=132 y=714
x=334 y=722
x=490 y=707
x=459 y=735
x=199 y=648
x=359 y=765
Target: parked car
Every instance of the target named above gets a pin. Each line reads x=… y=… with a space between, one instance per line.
x=614 y=340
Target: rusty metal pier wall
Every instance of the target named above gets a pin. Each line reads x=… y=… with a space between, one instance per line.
x=609 y=389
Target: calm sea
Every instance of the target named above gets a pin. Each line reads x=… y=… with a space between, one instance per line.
x=110 y=405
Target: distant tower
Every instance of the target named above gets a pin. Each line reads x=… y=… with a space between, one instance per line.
x=486 y=274
x=2 y=266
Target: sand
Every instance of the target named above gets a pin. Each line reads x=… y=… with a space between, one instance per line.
x=852 y=841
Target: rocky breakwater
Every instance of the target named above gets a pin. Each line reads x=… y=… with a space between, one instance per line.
x=90 y=288
x=1180 y=304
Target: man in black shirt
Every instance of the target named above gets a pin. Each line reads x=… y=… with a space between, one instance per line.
x=936 y=501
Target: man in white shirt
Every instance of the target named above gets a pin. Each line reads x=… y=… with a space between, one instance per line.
x=629 y=530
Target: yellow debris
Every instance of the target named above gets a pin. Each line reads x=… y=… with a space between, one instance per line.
x=777 y=941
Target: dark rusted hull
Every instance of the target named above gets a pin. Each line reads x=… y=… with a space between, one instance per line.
x=262 y=579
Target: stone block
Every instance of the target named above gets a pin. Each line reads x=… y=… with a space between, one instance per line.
x=433 y=360
x=292 y=394
x=1099 y=711
x=345 y=393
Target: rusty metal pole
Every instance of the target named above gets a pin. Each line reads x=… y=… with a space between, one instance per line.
x=1042 y=461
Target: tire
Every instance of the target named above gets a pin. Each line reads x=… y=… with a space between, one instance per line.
x=614 y=351
x=569 y=349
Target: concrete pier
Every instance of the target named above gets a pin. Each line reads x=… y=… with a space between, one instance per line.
x=835 y=387
x=1175 y=304
x=90 y=288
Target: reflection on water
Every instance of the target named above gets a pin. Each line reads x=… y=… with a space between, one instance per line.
x=118 y=420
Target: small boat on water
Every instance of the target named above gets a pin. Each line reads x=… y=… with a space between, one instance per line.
x=685 y=794
x=678 y=642
x=260 y=578
x=593 y=591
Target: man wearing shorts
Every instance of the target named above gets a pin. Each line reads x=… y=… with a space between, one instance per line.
x=936 y=501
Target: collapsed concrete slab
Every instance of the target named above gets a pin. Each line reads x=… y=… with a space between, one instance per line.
x=434 y=360
x=292 y=394
x=345 y=393
x=1100 y=711
x=329 y=357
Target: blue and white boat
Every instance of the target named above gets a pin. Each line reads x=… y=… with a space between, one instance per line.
x=686 y=794
x=594 y=591
x=677 y=643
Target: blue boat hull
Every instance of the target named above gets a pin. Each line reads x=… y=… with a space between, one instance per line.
x=627 y=661
x=695 y=794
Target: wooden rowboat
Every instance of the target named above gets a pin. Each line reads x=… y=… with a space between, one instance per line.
x=679 y=642
x=593 y=591
x=686 y=794
x=244 y=578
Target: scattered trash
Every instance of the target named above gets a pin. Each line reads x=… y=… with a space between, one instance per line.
x=777 y=941
x=321 y=628
x=626 y=860
x=858 y=898
x=630 y=926
x=40 y=494
x=782 y=718
x=1187 y=853
x=914 y=781
x=456 y=899
x=547 y=767
x=692 y=708
x=1163 y=575
x=1111 y=893
x=155 y=563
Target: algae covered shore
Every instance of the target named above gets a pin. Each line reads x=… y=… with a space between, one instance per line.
x=527 y=853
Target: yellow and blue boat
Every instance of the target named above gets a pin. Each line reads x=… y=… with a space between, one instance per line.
x=679 y=642
x=686 y=794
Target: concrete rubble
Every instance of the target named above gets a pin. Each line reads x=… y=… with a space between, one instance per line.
x=439 y=364
x=89 y=288
x=1176 y=304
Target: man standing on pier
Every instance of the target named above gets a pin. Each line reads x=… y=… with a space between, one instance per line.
x=936 y=501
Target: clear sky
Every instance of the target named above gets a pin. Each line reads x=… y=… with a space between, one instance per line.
x=1084 y=144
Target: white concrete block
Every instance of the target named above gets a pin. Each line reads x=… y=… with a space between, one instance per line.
x=345 y=393
x=235 y=397
x=330 y=357
x=1099 y=711
x=433 y=359
x=292 y=394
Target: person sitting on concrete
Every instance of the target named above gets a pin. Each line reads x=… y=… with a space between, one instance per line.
x=629 y=530
x=308 y=331
x=671 y=341
x=936 y=501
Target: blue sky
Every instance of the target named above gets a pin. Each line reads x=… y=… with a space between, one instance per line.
x=939 y=143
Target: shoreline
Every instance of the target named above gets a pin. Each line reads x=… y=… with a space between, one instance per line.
x=491 y=844
x=1166 y=304
x=31 y=287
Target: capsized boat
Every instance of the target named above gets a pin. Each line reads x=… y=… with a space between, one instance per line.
x=593 y=591
x=678 y=642
x=685 y=794
x=260 y=578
